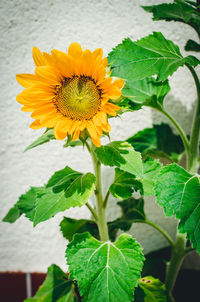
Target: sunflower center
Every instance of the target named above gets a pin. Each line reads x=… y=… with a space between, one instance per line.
x=78 y=98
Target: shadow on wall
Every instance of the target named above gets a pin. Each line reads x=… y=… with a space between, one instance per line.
x=183 y=115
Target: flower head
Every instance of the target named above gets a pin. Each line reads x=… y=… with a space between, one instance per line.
x=70 y=92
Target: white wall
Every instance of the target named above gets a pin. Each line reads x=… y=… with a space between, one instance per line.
x=52 y=24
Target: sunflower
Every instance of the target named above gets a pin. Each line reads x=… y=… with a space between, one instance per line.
x=70 y=93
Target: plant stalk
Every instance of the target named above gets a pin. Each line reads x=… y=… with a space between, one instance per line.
x=158 y=228
x=101 y=210
x=94 y=214
x=181 y=132
x=177 y=256
x=195 y=133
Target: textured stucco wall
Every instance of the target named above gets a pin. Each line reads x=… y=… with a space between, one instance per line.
x=55 y=24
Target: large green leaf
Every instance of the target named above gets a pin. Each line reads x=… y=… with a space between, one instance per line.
x=122 y=155
x=148 y=92
x=66 y=188
x=105 y=271
x=151 y=169
x=56 y=288
x=69 y=227
x=178 y=192
x=44 y=138
x=158 y=141
x=125 y=183
x=177 y=11
x=154 y=290
x=152 y=55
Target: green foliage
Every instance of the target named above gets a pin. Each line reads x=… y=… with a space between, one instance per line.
x=192 y=46
x=122 y=155
x=178 y=192
x=124 y=184
x=158 y=141
x=44 y=138
x=69 y=227
x=152 y=55
x=105 y=271
x=151 y=169
x=65 y=189
x=56 y=288
x=146 y=92
x=178 y=11
x=13 y=214
x=132 y=211
x=154 y=290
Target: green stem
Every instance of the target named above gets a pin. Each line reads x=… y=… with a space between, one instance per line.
x=158 y=228
x=101 y=210
x=178 y=254
x=181 y=132
x=195 y=133
x=94 y=214
x=106 y=199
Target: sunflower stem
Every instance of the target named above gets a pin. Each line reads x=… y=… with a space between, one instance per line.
x=101 y=210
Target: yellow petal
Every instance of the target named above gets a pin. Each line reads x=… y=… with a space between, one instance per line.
x=36 y=125
x=75 y=50
x=49 y=74
x=58 y=134
x=119 y=83
x=76 y=134
x=96 y=141
x=104 y=62
x=64 y=63
x=26 y=79
x=98 y=52
x=38 y=57
x=27 y=109
x=92 y=130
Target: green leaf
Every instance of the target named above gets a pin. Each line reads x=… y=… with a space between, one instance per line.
x=13 y=214
x=154 y=290
x=105 y=271
x=69 y=227
x=66 y=188
x=25 y=205
x=132 y=211
x=177 y=11
x=158 y=141
x=124 y=184
x=178 y=192
x=192 y=46
x=45 y=138
x=152 y=55
x=122 y=155
x=151 y=170
x=148 y=92
x=56 y=288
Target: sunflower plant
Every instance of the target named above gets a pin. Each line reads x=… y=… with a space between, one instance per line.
x=73 y=95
